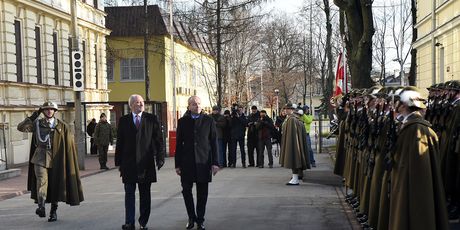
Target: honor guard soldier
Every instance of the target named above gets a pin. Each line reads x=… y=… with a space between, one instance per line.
x=53 y=166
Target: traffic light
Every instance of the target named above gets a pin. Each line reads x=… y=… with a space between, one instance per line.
x=78 y=67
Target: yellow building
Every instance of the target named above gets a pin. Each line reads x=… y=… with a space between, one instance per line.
x=438 y=44
x=194 y=67
x=35 y=65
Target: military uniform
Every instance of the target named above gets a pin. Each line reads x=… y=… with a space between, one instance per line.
x=53 y=169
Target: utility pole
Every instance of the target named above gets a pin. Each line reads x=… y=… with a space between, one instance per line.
x=146 y=53
x=79 y=135
x=310 y=55
x=173 y=64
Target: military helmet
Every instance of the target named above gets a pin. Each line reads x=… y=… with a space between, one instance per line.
x=453 y=85
x=412 y=97
x=433 y=87
x=441 y=86
x=49 y=105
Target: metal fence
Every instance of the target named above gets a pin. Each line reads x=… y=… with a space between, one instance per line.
x=320 y=142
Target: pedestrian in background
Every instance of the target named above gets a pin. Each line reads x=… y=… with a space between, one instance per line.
x=221 y=124
x=53 y=162
x=90 y=130
x=139 y=147
x=278 y=122
x=103 y=137
x=238 y=125
x=227 y=133
x=253 y=136
x=196 y=159
x=265 y=128
x=307 y=119
x=293 y=154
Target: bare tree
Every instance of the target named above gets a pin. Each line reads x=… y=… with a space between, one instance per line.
x=356 y=15
x=403 y=36
x=282 y=52
x=379 y=42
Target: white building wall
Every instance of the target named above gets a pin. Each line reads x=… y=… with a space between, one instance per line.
x=19 y=99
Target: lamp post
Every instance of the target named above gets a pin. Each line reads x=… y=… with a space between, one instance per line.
x=277 y=101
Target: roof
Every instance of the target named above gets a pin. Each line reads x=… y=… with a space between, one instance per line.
x=128 y=21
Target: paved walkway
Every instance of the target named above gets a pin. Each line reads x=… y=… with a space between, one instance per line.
x=17 y=186
x=250 y=198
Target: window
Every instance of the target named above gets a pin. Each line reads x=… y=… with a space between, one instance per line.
x=70 y=61
x=55 y=59
x=132 y=69
x=95 y=4
x=38 y=54
x=109 y=68
x=17 y=37
x=194 y=72
x=97 y=69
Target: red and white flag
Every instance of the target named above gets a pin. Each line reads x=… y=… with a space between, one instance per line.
x=339 y=76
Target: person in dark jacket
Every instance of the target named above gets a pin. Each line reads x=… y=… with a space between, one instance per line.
x=221 y=123
x=196 y=159
x=90 y=130
x=253 y=137
x=278 y=122
x=139 y=146
x=102 y=138
x=238 y=124
x=227 y=136
x=265 y=129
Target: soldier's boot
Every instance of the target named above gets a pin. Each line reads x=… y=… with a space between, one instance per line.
x=40 y=211
x=53 y=214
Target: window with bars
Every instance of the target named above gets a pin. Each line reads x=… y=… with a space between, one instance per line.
x=96 y=64
x=110 y=64
x=132 y=69
x=55 y=58
x=38 y=55
x=70 y=60
x=18 y=40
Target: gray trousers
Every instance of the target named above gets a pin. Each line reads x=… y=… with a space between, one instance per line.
x=41 y=175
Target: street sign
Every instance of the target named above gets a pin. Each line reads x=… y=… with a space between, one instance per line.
x=78 y=67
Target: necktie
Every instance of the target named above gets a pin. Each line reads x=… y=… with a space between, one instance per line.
x=138 y=122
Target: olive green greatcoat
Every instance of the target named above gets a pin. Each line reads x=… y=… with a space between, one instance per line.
x=293 y=153
x=340 y=154
x=64 y=183
x=417 y=195
x=377 y=173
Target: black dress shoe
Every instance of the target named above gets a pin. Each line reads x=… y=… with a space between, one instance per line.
x=251 y=165
x=143 y=228
x=40 y=211
x=128 y=227
x=190 y=224
x=200 y=226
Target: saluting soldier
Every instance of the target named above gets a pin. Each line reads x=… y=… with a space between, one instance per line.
x=417 y=198
x=53 y=164
x=450 y=145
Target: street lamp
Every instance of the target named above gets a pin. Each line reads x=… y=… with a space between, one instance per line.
x=277 y=101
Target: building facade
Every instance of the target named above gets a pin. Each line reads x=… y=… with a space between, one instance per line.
x=35 y=65
x=193 y=66
x=438 y=43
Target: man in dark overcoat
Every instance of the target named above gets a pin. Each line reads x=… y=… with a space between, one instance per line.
x=196 y=158
x=139 y=146
x=53 y=163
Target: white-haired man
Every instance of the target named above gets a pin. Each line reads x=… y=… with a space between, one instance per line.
x=139 y=146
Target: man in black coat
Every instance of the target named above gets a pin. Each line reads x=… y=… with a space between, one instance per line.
x=139 y=145
x=90 y=130
x=253 y=137
x=238 y=123
x=196 y=158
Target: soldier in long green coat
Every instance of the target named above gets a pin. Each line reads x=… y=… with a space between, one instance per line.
x=53 y=166
x=417 y=198
x=293 y=154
